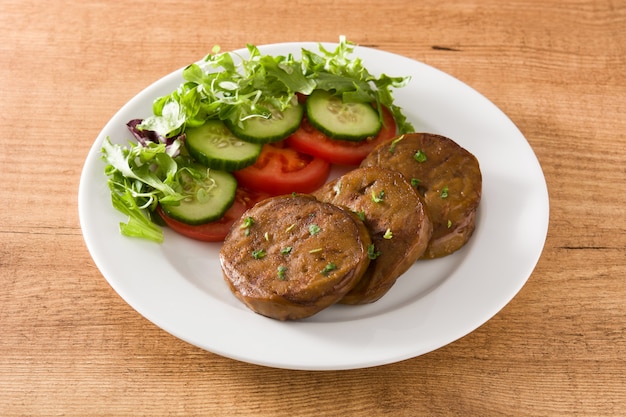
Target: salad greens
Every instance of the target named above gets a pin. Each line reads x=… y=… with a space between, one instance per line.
x=144 y=175
x=156 y=169
x=221 y=89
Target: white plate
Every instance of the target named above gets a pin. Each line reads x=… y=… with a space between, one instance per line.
x=179 y=287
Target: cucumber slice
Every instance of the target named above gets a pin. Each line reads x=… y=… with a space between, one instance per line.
x=340 y=120
x=207 y=201
x=274 y=129
x=214 y=146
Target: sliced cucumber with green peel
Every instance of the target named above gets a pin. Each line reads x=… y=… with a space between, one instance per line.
x=208 y=200
x=278 y=127
x=340 y=120
x=215 y=146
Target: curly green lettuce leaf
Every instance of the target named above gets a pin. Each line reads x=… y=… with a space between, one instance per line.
x=141 y=176
x=138 y=224
x=232 y=89
x=339 y=72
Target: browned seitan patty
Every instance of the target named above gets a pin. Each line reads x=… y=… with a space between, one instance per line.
x=292 y=256
x=446 y=175
x=396 y=219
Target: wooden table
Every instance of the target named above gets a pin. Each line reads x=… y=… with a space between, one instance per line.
x=69 y=345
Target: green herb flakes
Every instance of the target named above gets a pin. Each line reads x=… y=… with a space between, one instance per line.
x=280 y=271
x=360 y=215
x=372 y=253
x=258 y=254
x=444 y=192
x=314 y=229
x=286 y=250
x=378 y=198
x=328 y=269
x=247 y=223
x=420 y=156
x=415 y=182
x=388 y=234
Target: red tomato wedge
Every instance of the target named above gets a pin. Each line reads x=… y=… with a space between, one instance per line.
x=283 y=170
x=311 y=141
x=215 y=231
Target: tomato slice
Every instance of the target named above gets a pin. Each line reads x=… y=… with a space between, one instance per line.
x=215 y=231
x=311 y=141
x=283 y=170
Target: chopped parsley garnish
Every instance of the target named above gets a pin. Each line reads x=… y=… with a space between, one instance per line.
x=372 y=253
x=444 y=192
x=258 y=254
x=328 y=269
x=314 y=229
x=360 y=215
x=420 y=156
x=280 y=271
x=378 y=198
x=415 y=182
x=286 y=250
x=247 y=223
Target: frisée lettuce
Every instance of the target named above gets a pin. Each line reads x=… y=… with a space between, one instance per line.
x=142 y=175
x=221 y=88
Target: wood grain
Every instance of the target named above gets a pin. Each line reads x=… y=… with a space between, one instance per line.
x=69 y=345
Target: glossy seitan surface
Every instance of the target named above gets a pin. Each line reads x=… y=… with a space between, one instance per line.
x=292 y=256
x=446 y=175
x=395 y=217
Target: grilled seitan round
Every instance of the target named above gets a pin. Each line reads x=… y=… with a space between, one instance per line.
x=396 y=219
x=291 y=256
x=446 y=175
